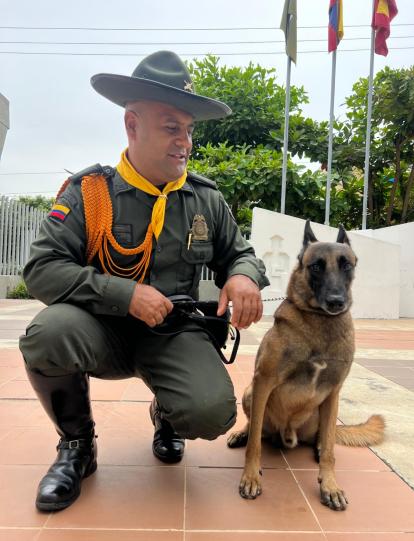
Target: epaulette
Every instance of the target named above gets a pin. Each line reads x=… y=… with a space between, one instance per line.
x=97 y=169
x=202 y=180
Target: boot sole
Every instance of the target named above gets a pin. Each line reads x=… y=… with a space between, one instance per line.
x=58 y=506
x=166 y=459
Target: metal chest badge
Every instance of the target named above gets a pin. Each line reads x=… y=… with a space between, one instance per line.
x=199 y=229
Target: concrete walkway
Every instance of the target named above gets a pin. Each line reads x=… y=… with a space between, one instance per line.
x=134 y=497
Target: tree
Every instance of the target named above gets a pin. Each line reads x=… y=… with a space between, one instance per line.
x=258 y=104
x=249 y=177
x=39 y=202
x=391 y=179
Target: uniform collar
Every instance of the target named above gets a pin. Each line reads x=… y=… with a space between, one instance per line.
x=120 y=185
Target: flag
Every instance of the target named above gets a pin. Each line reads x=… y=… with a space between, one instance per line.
x=336 y=24
x=384 y=12
x=288 y=25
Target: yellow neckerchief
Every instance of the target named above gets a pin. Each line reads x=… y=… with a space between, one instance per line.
x=99 y=220
x=130 y=175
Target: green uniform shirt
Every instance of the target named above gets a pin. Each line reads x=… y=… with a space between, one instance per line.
x=57 y=271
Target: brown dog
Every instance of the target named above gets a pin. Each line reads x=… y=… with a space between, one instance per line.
x=301 y=365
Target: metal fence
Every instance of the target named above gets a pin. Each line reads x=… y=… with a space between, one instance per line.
x=19 y=226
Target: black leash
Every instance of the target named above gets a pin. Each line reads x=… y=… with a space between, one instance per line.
x=203 y=313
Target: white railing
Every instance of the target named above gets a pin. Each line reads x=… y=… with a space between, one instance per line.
x=19 y=226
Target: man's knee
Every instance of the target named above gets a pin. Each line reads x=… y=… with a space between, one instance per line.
x=205 y=418
x=51 y=344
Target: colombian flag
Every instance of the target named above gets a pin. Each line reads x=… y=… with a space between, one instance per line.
x=336 y=24
x=59 y=212
x=384 y=12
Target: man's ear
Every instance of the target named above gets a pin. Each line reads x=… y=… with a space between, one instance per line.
x=342 y=236
x=130 y=120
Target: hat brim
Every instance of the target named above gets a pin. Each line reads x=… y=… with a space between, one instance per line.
x=121 y=89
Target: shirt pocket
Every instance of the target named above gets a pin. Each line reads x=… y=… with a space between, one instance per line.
x=198 y=253
x=193 y=258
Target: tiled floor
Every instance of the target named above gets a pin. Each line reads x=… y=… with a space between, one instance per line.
x=134 y=497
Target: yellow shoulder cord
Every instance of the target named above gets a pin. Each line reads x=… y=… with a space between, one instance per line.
x=98 y=223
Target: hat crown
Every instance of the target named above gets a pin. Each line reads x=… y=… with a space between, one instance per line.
x=167 y=68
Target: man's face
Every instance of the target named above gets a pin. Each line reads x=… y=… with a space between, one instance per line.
x=160 y=140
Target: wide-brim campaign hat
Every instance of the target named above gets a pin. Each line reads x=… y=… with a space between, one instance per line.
x=161 y=76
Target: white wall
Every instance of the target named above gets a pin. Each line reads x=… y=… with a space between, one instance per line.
x=403 y=235
x=4 y=120
x=277 y=239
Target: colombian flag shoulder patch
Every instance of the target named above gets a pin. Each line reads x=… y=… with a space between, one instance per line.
x=59 y=212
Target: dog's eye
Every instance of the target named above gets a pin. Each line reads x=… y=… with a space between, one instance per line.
x=315 y=268
x=347 y=266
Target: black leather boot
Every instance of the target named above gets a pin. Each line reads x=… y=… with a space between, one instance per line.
x=167 y=444
x=66 y=401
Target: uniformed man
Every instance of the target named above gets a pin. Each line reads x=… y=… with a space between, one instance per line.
x=117 y=243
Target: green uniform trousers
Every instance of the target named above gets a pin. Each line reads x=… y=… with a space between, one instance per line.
x=185 y=372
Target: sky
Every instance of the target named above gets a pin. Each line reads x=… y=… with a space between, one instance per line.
x=58 y=122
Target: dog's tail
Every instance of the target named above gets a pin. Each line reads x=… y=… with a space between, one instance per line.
x=369 y=433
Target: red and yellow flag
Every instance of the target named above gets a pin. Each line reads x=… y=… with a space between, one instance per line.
x=336 y=24
x=384 y=12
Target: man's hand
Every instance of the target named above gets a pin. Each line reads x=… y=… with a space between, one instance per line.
x=149 y=305
x=246 y=299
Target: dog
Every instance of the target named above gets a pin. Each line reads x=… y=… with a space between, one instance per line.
x=300 y=367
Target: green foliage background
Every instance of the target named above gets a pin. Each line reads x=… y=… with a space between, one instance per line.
x=243 y=152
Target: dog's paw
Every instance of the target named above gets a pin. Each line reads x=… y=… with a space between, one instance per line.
x=237 y=439
x=333 y=497
x=250 y=486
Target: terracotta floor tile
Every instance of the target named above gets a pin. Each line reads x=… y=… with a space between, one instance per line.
x=385 y=536
x=30 y=446
x=367 y=343
x=108 y=535
x=136 y=390
x=127 y=498
x=16 y=389
x=213 y=502
x=17 y=496
x=102 y=389
x=19 y=535
x=126 y=447
x=240 y=382
x=216 y=454
x=253 y=536
x=246 y=364
x=8 y=373
x=11 y=357
x=379 y=502
x=122 y=415
x=347 y=458
x=14 y=413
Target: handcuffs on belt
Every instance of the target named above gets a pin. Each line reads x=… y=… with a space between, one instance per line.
x=204 y=313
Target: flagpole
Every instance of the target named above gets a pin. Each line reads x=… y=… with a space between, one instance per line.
x=368 y=134
x=285 y=136
x=330 y=140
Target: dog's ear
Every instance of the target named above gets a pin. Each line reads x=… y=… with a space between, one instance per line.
x=308 y=237
x=342 y=236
